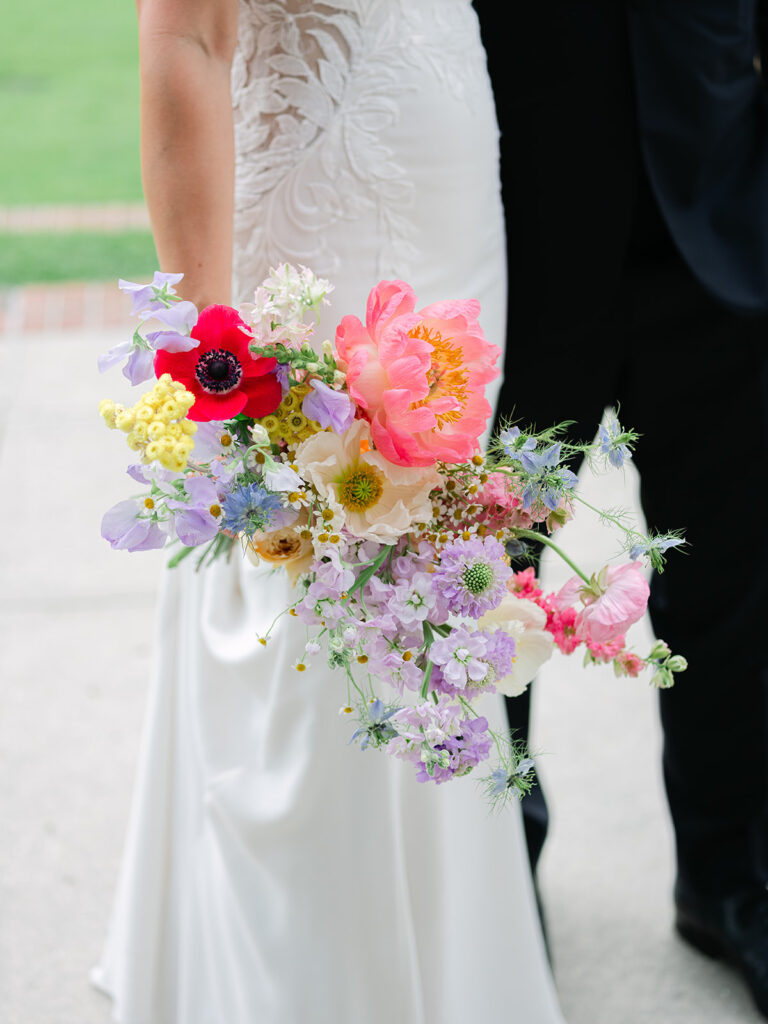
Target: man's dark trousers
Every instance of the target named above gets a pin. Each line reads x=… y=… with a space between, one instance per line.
x=636 y=256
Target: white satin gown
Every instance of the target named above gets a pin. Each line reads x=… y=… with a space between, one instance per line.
x=274 y=874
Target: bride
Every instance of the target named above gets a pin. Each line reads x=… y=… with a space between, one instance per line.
x=273 y=873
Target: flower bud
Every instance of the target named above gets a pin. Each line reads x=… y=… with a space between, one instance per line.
x=662 y=679
x=660 y=650
x=259 y=435
x=677 y=663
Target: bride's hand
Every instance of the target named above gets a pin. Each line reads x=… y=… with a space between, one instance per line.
x=187 y=143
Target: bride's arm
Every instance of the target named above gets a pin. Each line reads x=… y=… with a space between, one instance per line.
x=187 y=146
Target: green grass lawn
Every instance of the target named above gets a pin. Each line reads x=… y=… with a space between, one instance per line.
x=76 y=257
x=69 y=102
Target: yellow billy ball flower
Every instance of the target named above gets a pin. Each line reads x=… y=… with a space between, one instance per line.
x=107 y=412
x=156 y=430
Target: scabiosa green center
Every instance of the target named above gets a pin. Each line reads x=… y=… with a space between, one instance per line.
x=472 y=574
x=477 y=577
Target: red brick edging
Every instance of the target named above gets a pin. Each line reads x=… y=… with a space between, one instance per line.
x=65 y=307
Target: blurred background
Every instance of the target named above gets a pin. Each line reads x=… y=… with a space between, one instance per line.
x=70 y=128
x=77 y=619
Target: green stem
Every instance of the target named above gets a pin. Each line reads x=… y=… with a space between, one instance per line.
x=543 y=539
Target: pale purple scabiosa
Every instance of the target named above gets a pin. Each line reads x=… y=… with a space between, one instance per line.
x=472 y=575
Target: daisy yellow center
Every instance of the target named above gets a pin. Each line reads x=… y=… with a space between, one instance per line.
x=359 y=487
x=446 y=376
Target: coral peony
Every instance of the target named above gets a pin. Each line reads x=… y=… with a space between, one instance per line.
x=375 y=499
x=419 y=377
x=221 y=372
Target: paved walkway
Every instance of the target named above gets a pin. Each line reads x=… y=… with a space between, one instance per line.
x=77 y=624
x=72 y=305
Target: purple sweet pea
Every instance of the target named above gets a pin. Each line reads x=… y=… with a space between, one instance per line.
x=180 y=316
x=115 y=355
x=126 y=531
x=171 y=341
x=329 y=408
x=140 y=366
x=195 y=523
x=143 y=295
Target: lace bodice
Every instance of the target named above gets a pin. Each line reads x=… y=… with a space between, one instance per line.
x=330 y=98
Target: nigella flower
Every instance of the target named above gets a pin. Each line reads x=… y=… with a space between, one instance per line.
x=375 y=727
x=472 y=575
x=547 y=482
x=613 y=441
x=503 y=780
x=514 y=443
x=250 y=508
x=653 y=548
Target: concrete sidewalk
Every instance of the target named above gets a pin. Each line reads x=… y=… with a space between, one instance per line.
x=76 y=628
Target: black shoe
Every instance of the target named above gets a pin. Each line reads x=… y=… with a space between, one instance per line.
x=734 y=930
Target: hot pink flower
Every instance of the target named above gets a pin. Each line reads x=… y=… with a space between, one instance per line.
x=617 y=597
x=419 y=378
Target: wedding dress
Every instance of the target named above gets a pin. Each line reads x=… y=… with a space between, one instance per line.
x=274 y=873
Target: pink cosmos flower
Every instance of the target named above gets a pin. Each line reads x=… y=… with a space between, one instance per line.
x=419 y=378
x=617 y=597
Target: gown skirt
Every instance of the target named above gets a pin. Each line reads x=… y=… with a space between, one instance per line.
x=273 y=873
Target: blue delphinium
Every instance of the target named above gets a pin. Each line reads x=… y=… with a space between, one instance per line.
x=250 y=508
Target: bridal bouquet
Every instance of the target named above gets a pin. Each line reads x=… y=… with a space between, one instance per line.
x=355 y=465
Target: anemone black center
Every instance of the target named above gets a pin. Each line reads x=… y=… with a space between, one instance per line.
x=218 y=371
